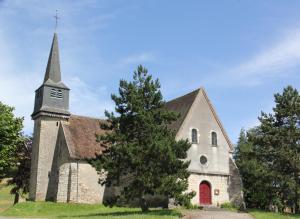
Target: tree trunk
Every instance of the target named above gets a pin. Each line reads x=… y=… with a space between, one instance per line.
x=296 y=200
x=144 y=204
x=17 y=197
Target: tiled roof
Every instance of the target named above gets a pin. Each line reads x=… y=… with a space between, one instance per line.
x=80 y=133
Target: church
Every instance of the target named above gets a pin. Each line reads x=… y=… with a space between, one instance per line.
x=62 y=141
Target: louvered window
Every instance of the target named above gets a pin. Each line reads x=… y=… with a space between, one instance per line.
x=54 y=93
x=59 y=94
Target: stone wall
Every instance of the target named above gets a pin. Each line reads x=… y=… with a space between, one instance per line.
x=201 y=118
x=77 y=180
x=217 y=183
x=235 y=185
x=44 y=143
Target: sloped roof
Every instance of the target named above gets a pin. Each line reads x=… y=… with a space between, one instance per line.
x=80 y=134
x=53 y=65
x=181 y=105
x=217 y=118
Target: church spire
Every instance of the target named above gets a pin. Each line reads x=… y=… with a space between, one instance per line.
x=53 y=66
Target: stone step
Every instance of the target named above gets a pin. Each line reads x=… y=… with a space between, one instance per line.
x=211 y=208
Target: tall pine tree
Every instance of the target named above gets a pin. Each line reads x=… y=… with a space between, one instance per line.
x=257 y=177
x=269 y=155
x=279 y=138
x=143 y=158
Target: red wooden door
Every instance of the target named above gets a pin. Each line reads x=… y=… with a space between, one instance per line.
x=205 y=193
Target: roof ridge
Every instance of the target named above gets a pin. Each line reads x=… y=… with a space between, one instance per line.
x=88 y=117
x=212 y=108
x=198 y=89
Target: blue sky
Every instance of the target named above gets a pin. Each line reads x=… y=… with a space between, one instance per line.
x=242 y=52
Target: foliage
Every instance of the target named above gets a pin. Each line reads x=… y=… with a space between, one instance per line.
x=268 y=156
x=10 y=138
x=228 y=206
x=143 y=156
x=20 y=180
x=69 y=210
x=257 y=177
x=259 y=214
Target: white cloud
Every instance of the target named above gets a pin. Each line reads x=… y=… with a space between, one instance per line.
x=88 y=101
x=19 y=79
x=139 y=58
x=272 y=62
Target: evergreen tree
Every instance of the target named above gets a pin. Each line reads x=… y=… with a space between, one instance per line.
x=143 y=157
x=279 y=138
x=257 y=177
x=268 y=157
x=10 y=138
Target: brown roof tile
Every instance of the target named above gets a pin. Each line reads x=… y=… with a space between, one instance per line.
x=80 y=133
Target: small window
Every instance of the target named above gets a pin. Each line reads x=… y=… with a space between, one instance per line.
x=214 y=139
x=54 y=93
x=194 y=136
x=59 y=94
x=203 y=160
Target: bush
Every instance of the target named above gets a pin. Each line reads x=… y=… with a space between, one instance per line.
x=228 y=205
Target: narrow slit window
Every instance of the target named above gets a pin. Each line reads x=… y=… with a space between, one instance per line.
x=214 y=139
x=194 y=136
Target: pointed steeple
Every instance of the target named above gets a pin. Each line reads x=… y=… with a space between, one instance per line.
x=53 y=66
x=52 y=97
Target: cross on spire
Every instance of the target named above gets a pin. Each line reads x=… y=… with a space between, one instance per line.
x=56 y=18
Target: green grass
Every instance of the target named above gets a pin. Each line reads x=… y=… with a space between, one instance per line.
x=270 y=215
x=6 y=199
x=63 y=210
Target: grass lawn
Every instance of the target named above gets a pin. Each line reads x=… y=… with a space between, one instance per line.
x=6 y=199
x=270 y=215
x=63 y=210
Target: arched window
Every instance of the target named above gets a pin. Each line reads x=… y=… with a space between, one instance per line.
x=214 y=139
x=194 y=136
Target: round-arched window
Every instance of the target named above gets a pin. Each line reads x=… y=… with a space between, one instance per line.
x=214 y=139
x=194 y=136
x=203 y=160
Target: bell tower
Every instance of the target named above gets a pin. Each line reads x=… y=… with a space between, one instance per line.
x=51 y=107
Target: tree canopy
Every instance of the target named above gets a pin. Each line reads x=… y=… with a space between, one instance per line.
x=269 y=155
x=143 y=158
x=10 y=137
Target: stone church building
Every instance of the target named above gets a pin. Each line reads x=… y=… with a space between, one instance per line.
x=62 y=141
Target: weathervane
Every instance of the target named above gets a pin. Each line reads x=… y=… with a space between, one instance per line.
x=56 y=19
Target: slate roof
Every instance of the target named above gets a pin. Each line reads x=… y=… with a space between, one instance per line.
x=181 y=105
x=80 y=134
x=53 y=74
